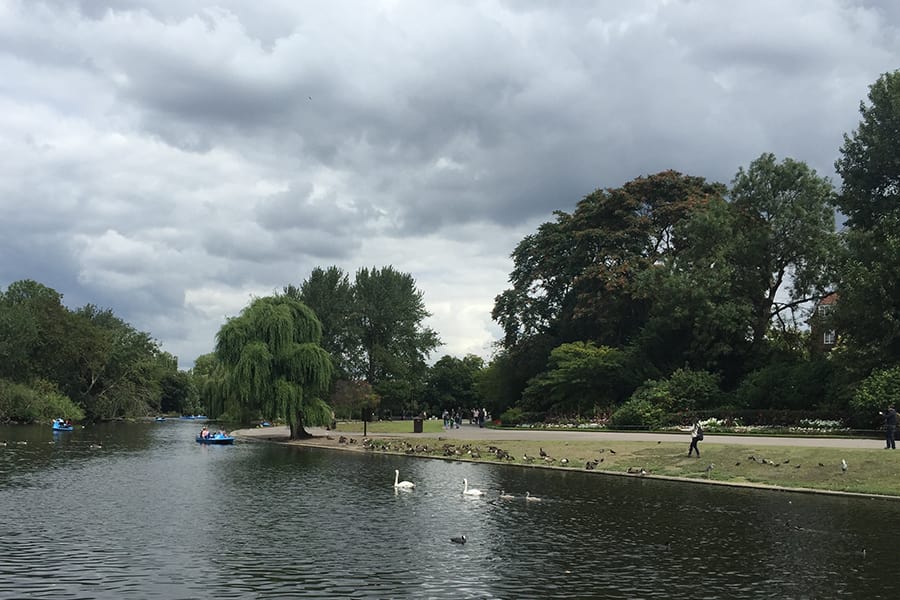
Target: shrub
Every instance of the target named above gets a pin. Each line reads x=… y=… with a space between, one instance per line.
x=877 y=392
x=638 y=413
x=692 y=390
x=511 y=416
x=799 y=386
x=41 y=401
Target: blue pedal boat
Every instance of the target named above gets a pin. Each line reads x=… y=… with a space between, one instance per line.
x=216 y=438
x=60 y=425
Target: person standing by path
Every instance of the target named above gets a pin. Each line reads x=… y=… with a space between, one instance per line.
x=696 y=436
x=890 y=427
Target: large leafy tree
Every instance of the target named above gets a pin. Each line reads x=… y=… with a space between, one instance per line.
x=695 y=315
x=451 y=383
x=96 y=359
x=575 y=277
x=329 y=293
x=784 y=238
x=121 y=369
x=391 y=312
x=580 y=278
x=275 y=366
x=374 y=328
x=868 y=312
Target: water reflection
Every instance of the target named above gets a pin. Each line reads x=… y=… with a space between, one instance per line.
x=153 y=514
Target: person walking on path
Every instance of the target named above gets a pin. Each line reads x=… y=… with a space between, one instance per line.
x=696 y=436
x=890 y=427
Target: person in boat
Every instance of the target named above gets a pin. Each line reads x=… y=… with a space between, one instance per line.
x=204 y=433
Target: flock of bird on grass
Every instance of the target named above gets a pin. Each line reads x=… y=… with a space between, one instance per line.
x=468 y=451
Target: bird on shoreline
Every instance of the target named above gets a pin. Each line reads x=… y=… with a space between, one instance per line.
x=844 y=465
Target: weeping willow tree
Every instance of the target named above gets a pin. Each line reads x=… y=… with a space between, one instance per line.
x=274 y=364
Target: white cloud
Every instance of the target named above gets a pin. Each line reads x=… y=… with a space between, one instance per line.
x=170 y=160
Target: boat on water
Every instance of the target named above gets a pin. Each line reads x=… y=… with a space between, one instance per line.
x=62 y=425
x=216 y=438
x=160 y=418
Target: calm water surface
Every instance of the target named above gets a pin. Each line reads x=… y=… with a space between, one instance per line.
x=152 y=514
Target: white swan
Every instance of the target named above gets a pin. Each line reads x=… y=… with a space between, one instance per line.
x=403 y=485
x=472 y=492
x=505 y=496
x=531 y=498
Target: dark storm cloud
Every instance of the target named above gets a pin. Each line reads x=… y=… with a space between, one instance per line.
x=170 y=160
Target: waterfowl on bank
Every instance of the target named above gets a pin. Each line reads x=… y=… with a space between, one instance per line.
x=403 y=485
x=472 y=492
x=844 y=465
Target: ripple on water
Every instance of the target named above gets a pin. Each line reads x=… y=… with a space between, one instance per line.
x=154 y=515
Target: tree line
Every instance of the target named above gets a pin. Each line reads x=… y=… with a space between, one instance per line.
x=673 y=294
x=79 y=364
x=664 y=298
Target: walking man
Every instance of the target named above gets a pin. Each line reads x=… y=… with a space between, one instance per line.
x=890 y=427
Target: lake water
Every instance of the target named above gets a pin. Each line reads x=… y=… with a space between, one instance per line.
x=152 y=514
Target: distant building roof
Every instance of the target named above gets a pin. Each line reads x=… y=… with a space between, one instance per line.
x=831 y=298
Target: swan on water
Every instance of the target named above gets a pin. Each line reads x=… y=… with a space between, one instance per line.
x=531 y=498
x=472 y=492
x=403 y=485
x=505 y=496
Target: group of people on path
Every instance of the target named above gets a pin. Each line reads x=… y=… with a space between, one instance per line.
x=454 y=419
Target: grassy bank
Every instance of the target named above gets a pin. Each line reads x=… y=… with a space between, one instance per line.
x=868 y=471
x=383 y=427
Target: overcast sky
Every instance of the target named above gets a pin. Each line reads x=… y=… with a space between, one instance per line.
x=172 y=159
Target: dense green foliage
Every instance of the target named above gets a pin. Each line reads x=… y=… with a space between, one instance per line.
x=705 y=292
x=880 y=390
x=272 y=365
x=868 y=313
x=373 y=328
x=665 y=297
x=452 y=383
x=83 y=363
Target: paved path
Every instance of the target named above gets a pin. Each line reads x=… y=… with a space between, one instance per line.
x=471 y=432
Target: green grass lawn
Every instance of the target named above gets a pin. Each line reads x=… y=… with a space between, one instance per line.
x=376 y=427
x=868 y=472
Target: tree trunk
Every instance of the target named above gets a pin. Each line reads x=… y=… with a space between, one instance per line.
x=297 y=430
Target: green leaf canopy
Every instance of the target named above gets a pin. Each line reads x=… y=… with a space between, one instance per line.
x=275 y=366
